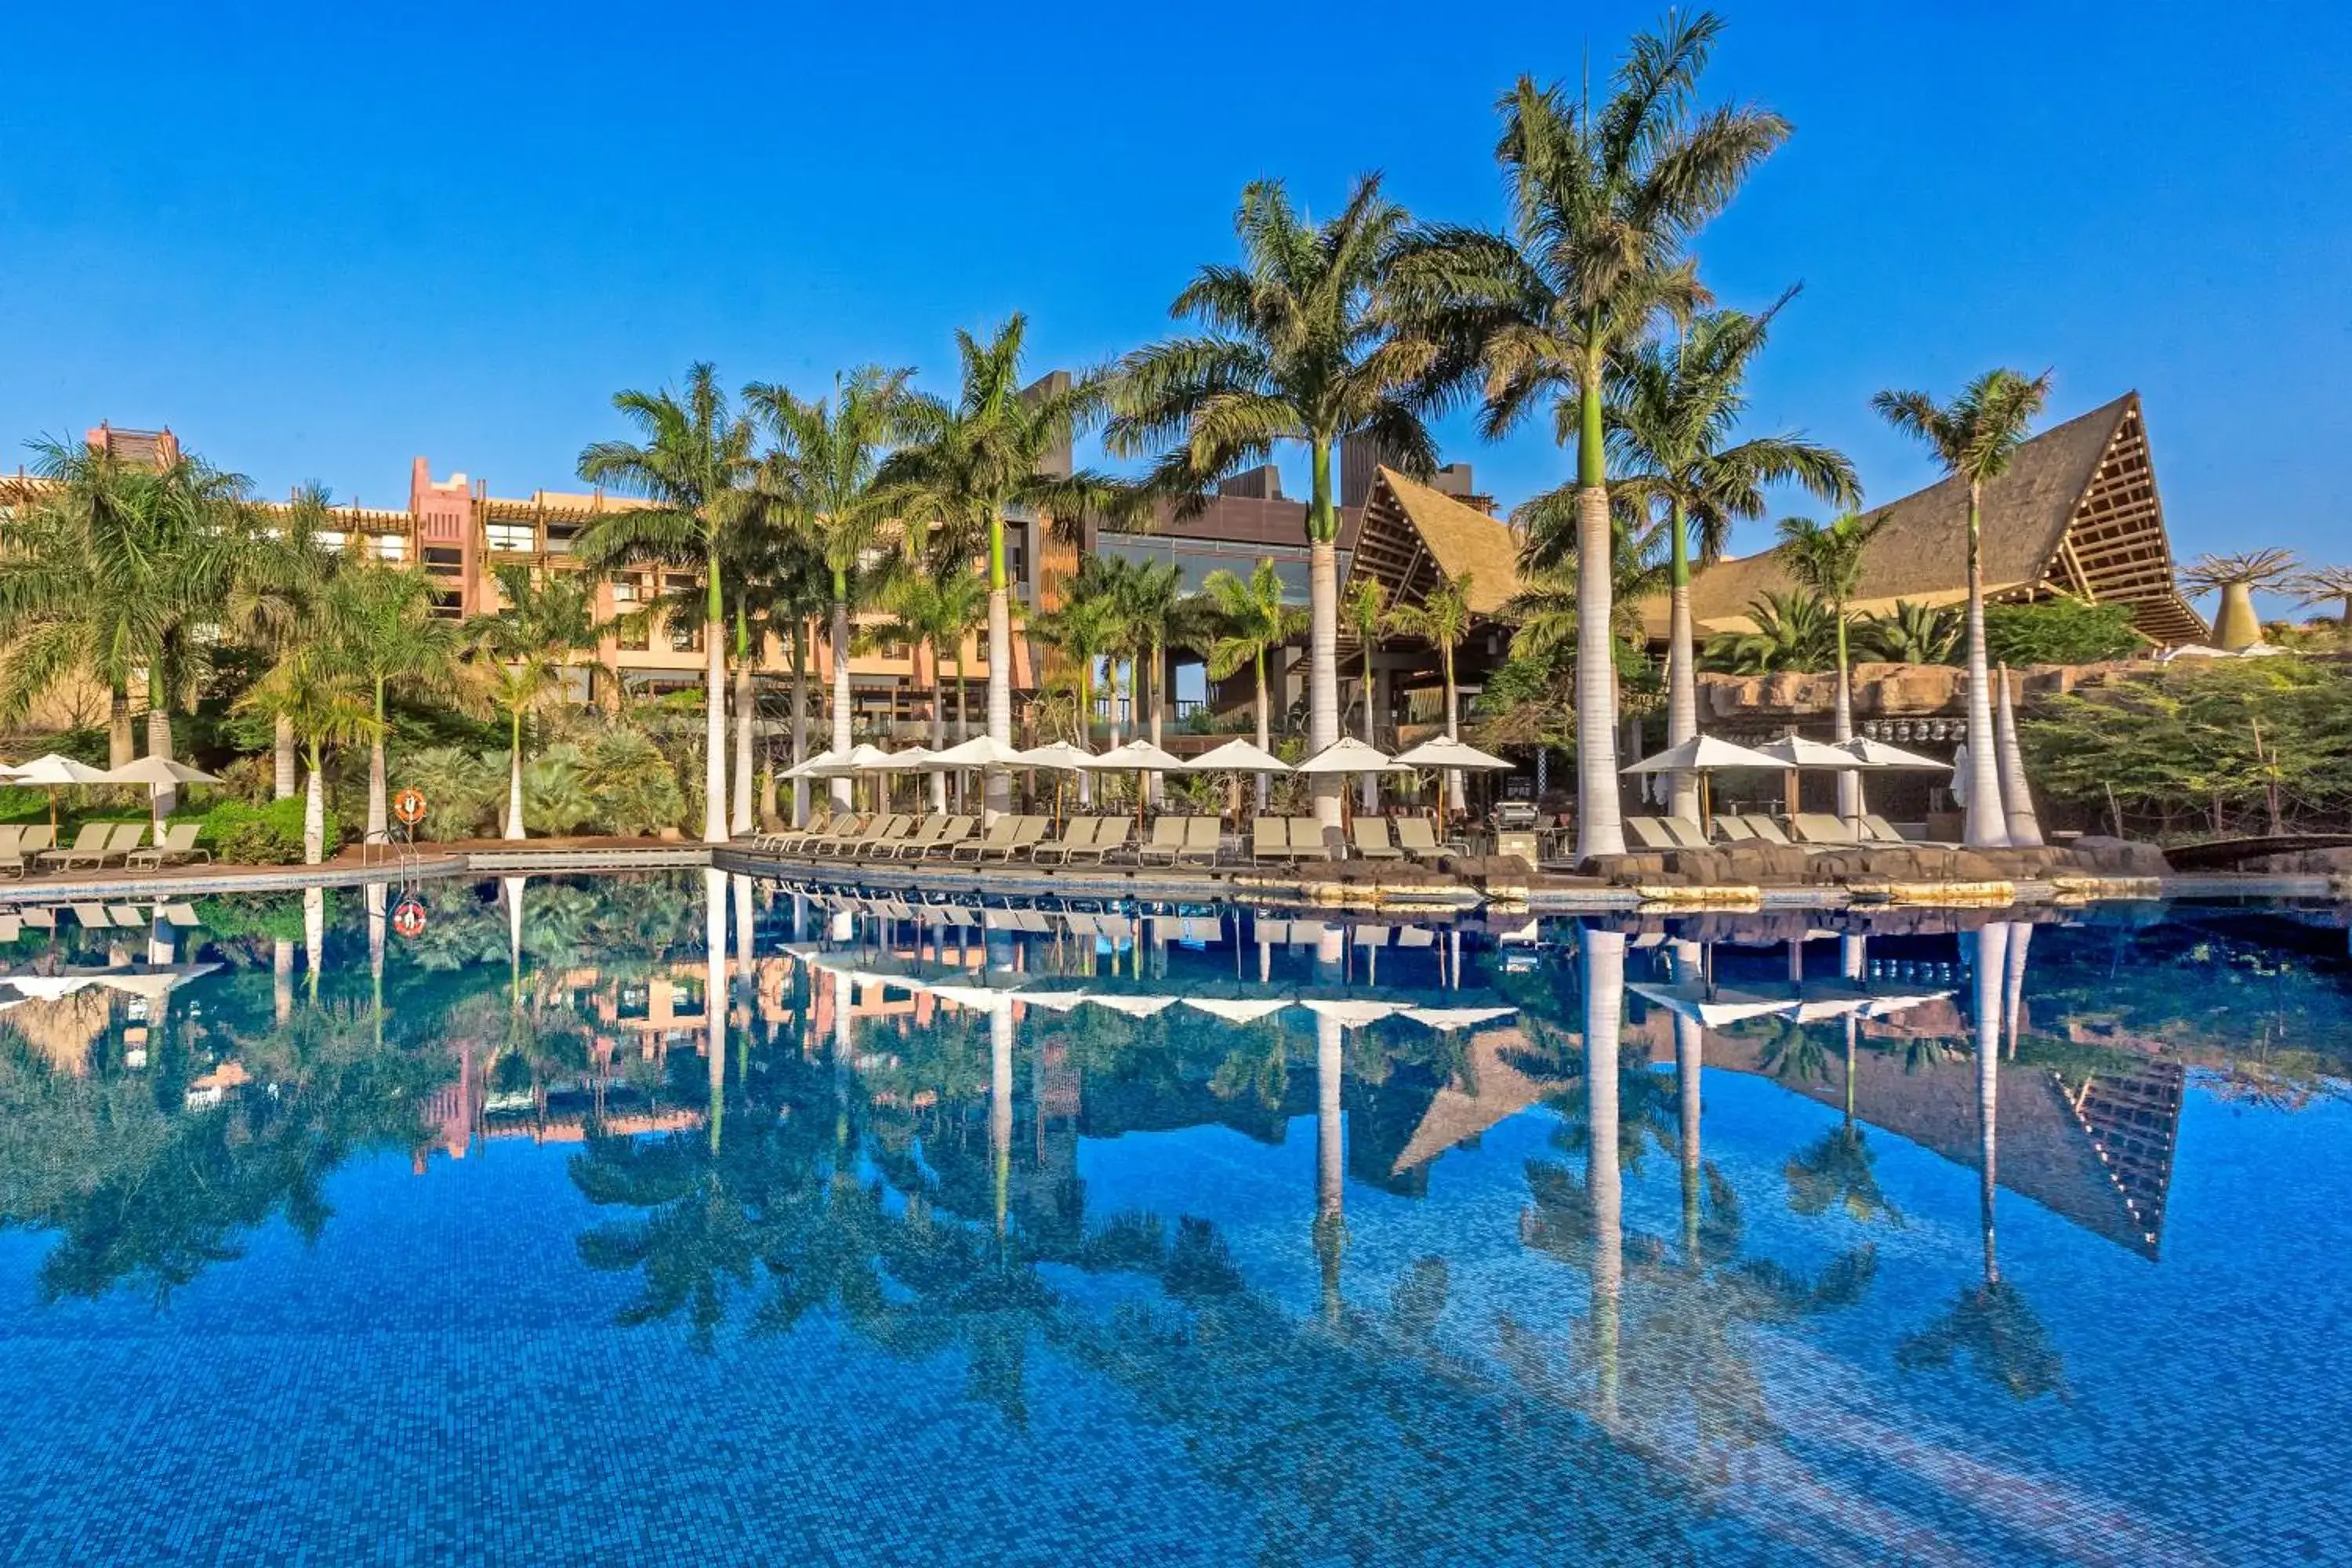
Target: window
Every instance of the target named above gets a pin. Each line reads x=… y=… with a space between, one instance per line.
x=560 y=538
x=330 y=539
x=625 y=592
x=512 y=537
x=686 y=636
x=440 y=556
x=390 y=547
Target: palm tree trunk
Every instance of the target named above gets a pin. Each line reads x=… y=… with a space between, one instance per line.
x=1369 y=783
x=1682 y=666
x=938 y=728
x=714 y=995
x=285 y=776
x=998 y=785
x=2017 y=794
x=800 y=719
x=117 y=727
x=1323 y=633
x=1263 y=739
x=1991 y=967
x=1984 y=826
x=1085 y=709
x=741 y=818
x=1330 y=1155
x=963 y=715
x=841 y=741
x=1849 y=780
x=314 y=813
x=159 y=743
x=379 y=820
x=514 y=775
x=1454 y=796
x=1000 y=1108
x=1158 y=676
x=1604 y=1012
x=1599 y=825
x=281 y=979
x=714 y=704
x=1690 y=1058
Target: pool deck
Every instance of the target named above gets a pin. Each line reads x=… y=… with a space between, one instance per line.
x=1546 y=892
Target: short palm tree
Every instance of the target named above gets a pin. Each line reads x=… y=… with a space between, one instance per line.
x=1604 y=201
x=378 y=625
x=1151 y=608
x=1365 y=612
x=1083 y=628
x=519 y=653
x=1912 y=634
x=113 y=577
x=326 y=706
x=1793 y=632
x=993 y=449
x=1672 y=409
x=1300 y=348
x=2235 y=577
x=1251 y=619
x=694 y=461
x=1827 y=560
x=826 y=464
x=1975 y=436
x=274 y=600
x=934 y=610
x=1443 y=621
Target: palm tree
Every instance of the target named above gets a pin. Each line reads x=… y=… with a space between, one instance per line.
x=1671 y=410
x=1975 y=436
x=1300 y=346
x=1912 y=634
x=1084 y=628
x=1793 y=633
x=692 y=464
x=2327 y=585
x=1443 y=621
x=111 y=577
x=794 y=589
x=1151 y=604
x=379 y=625
x=1826 y=559
x=1604 y=201
x=2235 y=577
x=1365 y=612
x=519 y=653
x=826 y=465
x=994 y=449
x=1251 y=619
x=325 y=707
x=935 y=610
x=281 y=578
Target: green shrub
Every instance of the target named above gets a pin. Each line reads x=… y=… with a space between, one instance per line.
x=464 y=791
x=631 y=783
x=2060 y=631
x=269 y=834
x=555 y=798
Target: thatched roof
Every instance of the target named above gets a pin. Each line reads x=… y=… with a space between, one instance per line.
x=1414 y=538
x=2076 y=513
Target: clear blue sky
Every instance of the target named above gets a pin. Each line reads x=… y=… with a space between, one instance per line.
x=318 y=242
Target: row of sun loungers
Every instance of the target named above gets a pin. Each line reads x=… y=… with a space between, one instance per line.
x=98 y=844
x=1804 y=830
x=1173 y=840
x=14 y=924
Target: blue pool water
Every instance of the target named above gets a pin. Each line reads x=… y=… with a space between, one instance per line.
x=1167 y=1236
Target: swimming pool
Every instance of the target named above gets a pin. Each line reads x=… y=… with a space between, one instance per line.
x=683 y=1218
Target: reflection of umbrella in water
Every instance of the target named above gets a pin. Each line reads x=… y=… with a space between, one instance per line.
x=1236 y=1012
x=1448 y=1018
x=1134 y=1006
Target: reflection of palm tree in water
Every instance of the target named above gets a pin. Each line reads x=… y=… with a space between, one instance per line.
x=1838 y=1168
x=1992 y=1324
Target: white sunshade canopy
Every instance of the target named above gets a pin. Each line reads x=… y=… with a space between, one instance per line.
x=1134 y=1006
x=54 y=770
x=1704 y=754
x=906 y=759
x=1136 y=756
x=1354 y=1014
x=1350 y=755
x=1059 y=754
x=1880 y=754
x=1458 y=1017
x=157 y=772
x=1248 y=1012
x=1446 y=752
x=860 y=758
x=980 y=751
x=812 y=768
x=1057 y=1001
x=1237 y=756
x=1796 y=752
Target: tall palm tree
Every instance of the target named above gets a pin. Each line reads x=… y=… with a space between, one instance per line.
x=993 y=449
x=1299 y=347
x=1672 y=409
x=694 y=461
x=794 y=589
x=326 y=707
x=379 y=626
x=1365 y=612
x=1975 y=436
x=282 y=573
x=1152 y=607
x=1251 y=619
x=934 y=607
x=1443 y=621
x=1827 y=558
x=826 y=464
x=1604 y=201
x=519 y=652
x=111 y=577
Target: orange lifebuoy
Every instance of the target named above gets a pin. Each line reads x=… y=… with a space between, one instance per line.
x=409 y=805
x=408 y=920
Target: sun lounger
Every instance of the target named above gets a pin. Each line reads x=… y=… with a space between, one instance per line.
x=12 y=849
x=1078 y=835
x=926 y=834
x=38 y=838
x=41 y=918
x=997 y=837
x=782 y=839
x=1769 y=831
x=1110 y=837
x=1308 y=841
x=1734 y=830
x=1686 y=834
x=1878 y=828
x=1026 y=833
x=1167 y=841
x=846 y=825
x=12 y=926
x=1372 y=841
x=1418 y=839
x=882 y=831
x=93 y=916
x=179 y=845
x=183 y=915
x=957 y=829
x=894 y=832
x=1269 y=839
x=1820 y=829
x=1203 y=839
x=89 y=846
x=126 y=915
x=1650 y=832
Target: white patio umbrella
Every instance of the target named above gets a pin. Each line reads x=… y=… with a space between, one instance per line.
x=1795 y=751
x=810 y=768
x=1452 y=756
x=1055 y=754
x=1703 y=755
x=54 y=773
x=157 y=773
x=1350 y=755
x=1140 y=757
x=1882 y=754
x=1234 y=758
